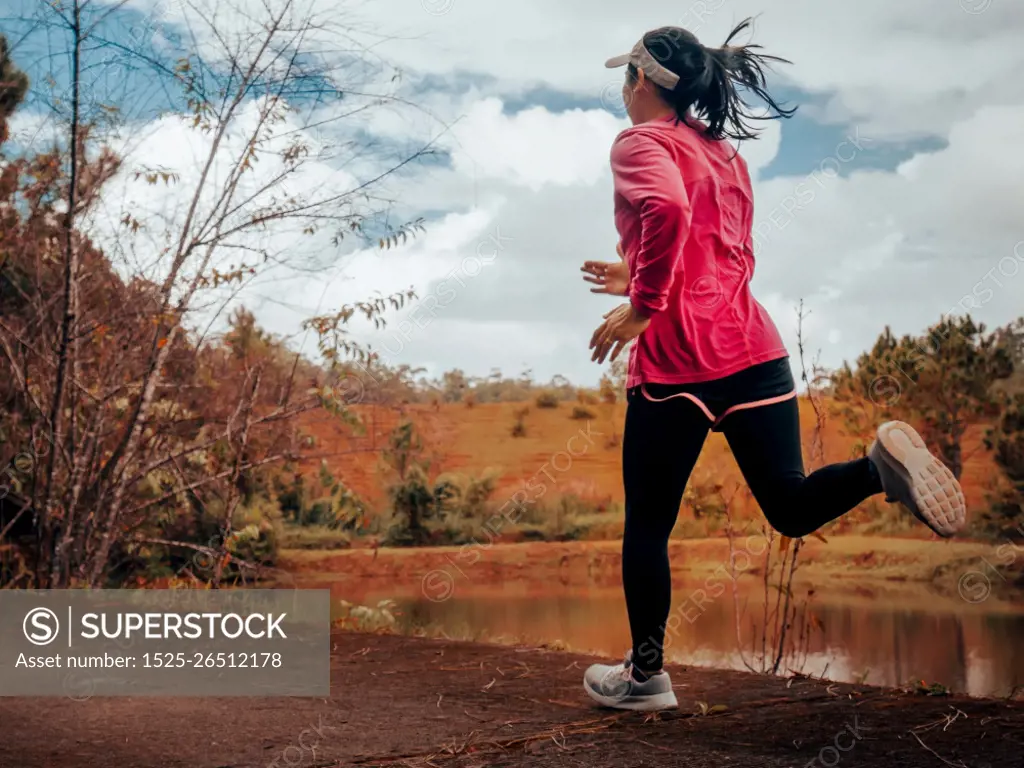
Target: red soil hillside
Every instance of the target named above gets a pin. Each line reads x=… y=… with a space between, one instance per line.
x=568 y=456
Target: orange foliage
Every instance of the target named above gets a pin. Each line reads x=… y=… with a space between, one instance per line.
x=473 y=440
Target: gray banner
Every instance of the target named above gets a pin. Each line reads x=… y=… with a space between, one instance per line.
x=165 y=642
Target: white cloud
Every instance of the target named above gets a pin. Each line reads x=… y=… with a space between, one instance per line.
x=904 y=248
x=34 y=130
x=534 y=147
x=172 y=146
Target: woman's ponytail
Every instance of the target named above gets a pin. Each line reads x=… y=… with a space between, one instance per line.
x=729 y=68
x=710 y=80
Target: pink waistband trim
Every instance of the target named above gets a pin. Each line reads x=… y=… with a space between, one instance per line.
x=692 y=398
x=707 y=411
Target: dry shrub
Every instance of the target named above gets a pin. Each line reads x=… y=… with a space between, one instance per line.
x=582 y=413
x=519 y=426
x=547 y=399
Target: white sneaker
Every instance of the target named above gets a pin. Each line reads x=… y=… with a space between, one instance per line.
x=614 y=686
x=918 y=480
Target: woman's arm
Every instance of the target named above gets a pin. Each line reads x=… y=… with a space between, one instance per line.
x=648 y=178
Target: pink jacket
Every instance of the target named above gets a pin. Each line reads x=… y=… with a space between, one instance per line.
x=684 y=213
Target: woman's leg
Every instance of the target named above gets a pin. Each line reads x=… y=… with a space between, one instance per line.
x=660 y=447
x=766 y=443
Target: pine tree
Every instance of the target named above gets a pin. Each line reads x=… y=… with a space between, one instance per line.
x=13 y=86
x=941 y=381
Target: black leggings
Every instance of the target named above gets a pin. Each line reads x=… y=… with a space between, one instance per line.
x=660 y=448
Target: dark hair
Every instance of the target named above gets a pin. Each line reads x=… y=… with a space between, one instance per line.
x=710 y=80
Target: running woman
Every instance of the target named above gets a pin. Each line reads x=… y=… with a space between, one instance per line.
x=707 y=356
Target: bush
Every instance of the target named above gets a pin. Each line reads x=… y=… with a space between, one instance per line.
x=257 y=532
x=573 y=505
x=531 y=513
x=451 y=509
x=533 y=533
x=457 y=533
x=367 y=618
x=421 y=506
x=415 y=501
x=703 y=498
x=582 y=413
x=315 y=537
x=291 y=498
x=547 y=399
x=255 y=538
x=568 y=518
x=519 y=427
x=320 y=512
x=548 y=532
x=585 y=397
x=466 y=496
x=609 y=394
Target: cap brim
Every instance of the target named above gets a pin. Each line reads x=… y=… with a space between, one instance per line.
x=618 y=61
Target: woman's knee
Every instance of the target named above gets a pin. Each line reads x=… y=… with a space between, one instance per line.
x=788 y=524
x=787 y=515
x=782 y=504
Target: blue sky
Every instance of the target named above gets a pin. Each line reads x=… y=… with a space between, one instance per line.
x=40 y=44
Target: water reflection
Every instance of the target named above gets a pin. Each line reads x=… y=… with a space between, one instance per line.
x=874 y=641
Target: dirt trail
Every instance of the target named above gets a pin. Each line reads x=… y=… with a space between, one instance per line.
x=415 y=702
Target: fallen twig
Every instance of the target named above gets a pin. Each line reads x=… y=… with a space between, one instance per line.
x=653 y=746
x=958 y=764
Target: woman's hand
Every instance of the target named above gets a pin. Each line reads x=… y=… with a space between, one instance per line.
x=621 y=326
x=610 y=277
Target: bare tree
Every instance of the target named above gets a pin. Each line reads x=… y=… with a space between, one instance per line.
x=270 y=98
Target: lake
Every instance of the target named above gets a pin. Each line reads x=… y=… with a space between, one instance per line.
x=882 y=639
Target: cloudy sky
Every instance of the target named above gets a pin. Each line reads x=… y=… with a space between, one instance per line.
x=893 y=197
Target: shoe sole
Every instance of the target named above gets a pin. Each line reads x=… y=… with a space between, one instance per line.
x=936 y=498
x=658 y=701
